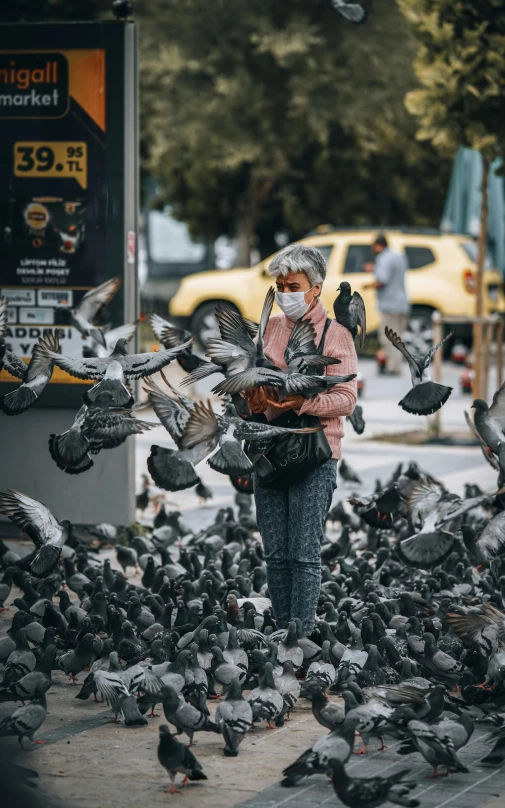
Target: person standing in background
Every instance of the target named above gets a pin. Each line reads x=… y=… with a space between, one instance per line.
x=389 y=271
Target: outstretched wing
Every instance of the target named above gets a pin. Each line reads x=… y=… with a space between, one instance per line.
x=14 y=365
x=497 y=408
x=250 y=430
x=423 y=499
x=168 y=334
x=96 y=299
x=431 y=353
x=301 y=341
x=265 y=315
x=136 y=366
x=202 y=427
x=400 y=345
x=173 y=417
x=92 y=368
x=41 y=364
x=30 y=515
x=125 y=331
x=357 y=312
x=233 y=328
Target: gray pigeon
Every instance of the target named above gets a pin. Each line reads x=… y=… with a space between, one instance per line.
x=113 y=371
x=177 y=758
x=338 y=745
x=25 y=721
x=185 y=717
x=266 y=701
x=44 y=530
x=204 y=432
x=89 y=308
x=234 y=717
x=19 y=662
x=426 y=396
x=37 y=375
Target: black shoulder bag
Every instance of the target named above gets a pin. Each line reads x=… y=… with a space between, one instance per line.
x=288 y=458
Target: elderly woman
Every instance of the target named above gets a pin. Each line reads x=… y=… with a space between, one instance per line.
x=291 y=521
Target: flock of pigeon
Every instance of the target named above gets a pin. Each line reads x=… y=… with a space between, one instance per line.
x=410 y=628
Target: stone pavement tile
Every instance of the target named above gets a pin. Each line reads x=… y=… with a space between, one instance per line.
x=477 y=789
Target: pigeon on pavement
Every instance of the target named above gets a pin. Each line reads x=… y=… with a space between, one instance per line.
x=426 y=396
x=370 y=792
x=177 y=758
x=25 y=721
x=234 y=716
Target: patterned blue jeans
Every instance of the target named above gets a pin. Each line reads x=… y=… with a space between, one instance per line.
x=291 y=523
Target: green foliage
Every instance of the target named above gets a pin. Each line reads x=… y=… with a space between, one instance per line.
x=278 y=113
x=460 y=65
x=53 y=10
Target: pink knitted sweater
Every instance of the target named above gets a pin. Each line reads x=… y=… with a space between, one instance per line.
x=332 y=405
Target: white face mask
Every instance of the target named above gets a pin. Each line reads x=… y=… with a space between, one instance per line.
x=293 y=303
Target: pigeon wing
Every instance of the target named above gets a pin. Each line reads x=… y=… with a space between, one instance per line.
x=173 y=417
x=497 y=408
x=14 y=365
x=92 y=368
x=250 y=430
x=483 y=445
x=201 y=428
x=301 y=341
x=41 y=364
x=247 y=379
x=126 y=331
x=400 y=345
x=30 y=515
x=233 y=329
x=96 y=299
x=136 y=366
x=423 y=500
x=357 y=313
x=431 y=353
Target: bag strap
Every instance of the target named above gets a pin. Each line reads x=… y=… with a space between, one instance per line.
x=320 y=347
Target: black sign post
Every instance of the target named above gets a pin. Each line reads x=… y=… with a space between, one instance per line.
x=68 y=222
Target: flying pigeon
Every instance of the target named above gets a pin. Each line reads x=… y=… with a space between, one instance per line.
x=349 y=309
x=170 y=337
x=44 y=530
x=111 y=336
x=356 y=419
x=426 y=396
x=35 y=378
x=83 y=315
x=114 y=370
x=204 y=432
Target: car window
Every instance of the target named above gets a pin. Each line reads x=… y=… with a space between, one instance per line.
x=325 y=251
x=418 y=257
x=357 y=255
x=471 y=248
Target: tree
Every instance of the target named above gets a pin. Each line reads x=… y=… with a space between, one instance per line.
x=460 y=65
x=54 y=10
x=278 y=113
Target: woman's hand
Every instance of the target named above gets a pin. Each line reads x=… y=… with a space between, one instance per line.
x=288 y=403
x=256 y=399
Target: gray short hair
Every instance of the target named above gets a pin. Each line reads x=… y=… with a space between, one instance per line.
x=299 y=258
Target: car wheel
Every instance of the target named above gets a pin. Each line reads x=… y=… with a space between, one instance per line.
x=204 y=324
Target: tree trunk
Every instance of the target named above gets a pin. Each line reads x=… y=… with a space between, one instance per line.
x=243 y=234
x=479 y=380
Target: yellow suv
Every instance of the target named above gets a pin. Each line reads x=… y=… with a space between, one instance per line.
x=441 y=278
